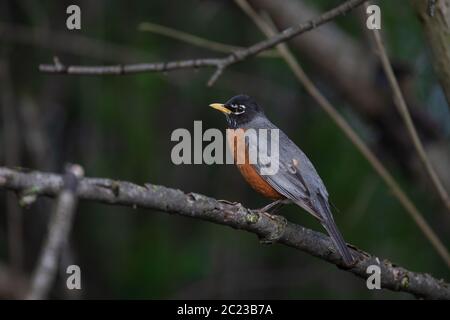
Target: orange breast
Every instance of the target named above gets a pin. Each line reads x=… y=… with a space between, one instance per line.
x=236 y=140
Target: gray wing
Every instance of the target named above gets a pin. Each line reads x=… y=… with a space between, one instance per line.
x=296 y=178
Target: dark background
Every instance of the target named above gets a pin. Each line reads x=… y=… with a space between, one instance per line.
x=119 y=127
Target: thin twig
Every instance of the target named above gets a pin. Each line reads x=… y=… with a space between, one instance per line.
x=221 y=63
x=198 y=206
x=59 y=228
x=403 y=110
x=323 y=102
x=196 y=40
x=131 y=68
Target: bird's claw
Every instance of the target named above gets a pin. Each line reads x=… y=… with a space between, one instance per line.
x=233 y=203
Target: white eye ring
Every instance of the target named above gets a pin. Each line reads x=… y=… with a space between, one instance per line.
x=241 y=106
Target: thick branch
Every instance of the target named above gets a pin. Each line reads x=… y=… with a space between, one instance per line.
x=220 y=64
x=234 y=215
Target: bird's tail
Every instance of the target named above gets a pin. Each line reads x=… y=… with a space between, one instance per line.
x=338 y=241
x=330 y=226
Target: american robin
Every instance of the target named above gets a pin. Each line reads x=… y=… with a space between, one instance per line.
x=295 y=181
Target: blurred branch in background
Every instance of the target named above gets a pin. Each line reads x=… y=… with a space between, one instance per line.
x=69 y=43
x=351 y=134
x=399 y=101
x=11 y=155
x=435 y=19
x=60 y=68
x=196 y=40
x=220 y=64
x=347 y=66
x=234 y=215
x=59 y=227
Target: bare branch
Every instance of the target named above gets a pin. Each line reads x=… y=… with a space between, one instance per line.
x=221 y=63
x=59 y=228
x=351 y=134
x=234 y=215
x=403 y=110
x=131 y=68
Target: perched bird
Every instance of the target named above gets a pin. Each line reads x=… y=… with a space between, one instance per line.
x=296 y=180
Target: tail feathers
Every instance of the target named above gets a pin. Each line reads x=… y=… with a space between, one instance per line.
x=329 y=225
x=338 y=241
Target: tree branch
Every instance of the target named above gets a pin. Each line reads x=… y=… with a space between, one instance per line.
x=67 y=42
x=131 y=68
x=234 y=215
x=220 y=63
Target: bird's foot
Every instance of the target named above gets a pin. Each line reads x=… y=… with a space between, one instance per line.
x=274 y=206
x=233 y=203
x=273 y=217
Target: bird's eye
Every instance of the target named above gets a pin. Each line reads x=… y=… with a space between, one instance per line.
x=239 y=109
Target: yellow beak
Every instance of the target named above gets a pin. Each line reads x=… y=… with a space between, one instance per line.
x=221 y=107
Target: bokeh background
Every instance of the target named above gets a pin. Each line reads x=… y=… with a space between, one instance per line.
x=119 y=127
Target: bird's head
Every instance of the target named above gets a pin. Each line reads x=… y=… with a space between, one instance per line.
x=239 y=110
